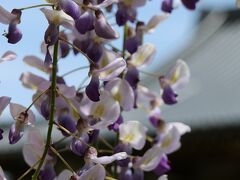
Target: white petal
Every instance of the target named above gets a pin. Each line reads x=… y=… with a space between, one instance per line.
x=154 y=22
x=178 y=75
x=31 y=81
x=143 y=55
x=107 y=110
x=181 y=127
x=8 y=56
x=171 y=141
x=112 y=70
x=121 y=92
x=65 y=174
x=109 y=159
x=58 y=17
x=36 y=62
x=5 y=16
x=2 y=176
x=96 y=172
x=134 y=133
x=150 y=159
x=4 y=101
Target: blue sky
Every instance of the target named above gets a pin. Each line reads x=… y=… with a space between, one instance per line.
x=169 y=38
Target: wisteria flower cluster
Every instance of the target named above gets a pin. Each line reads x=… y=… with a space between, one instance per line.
x=81 y=26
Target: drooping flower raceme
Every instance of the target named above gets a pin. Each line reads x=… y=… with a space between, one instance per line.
x=113 y=86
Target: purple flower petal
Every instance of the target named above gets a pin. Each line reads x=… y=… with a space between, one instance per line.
x=92 y=90
x=115 y=125
x=85 y=22
x=71 y=8
x=78 y=147
x=132 y=77
x=103 y=29
x=48 y=173
x=190 y=4
x=15 y=133
x=169 y=96
x=167 y=6
x=67 y=122
x=163 y=167
x=132 y=44
x=51 y=34
x=121 y=16
x=14 y=34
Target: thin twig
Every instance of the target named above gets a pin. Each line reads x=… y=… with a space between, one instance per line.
x=71 y=134
x=74 y=70
x=75 y=47
x=106 y=143
x=28 y=171
x=35 y=6
x=62 y=159
x=42 y=93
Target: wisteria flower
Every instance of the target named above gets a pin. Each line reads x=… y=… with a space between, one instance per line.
x=169 y=135
x=177 y=77
x=150 y=159
x=102 y=113
x=13 y=35
x=111 y=70
x=133 y=133
x=122 y=92
x=22 y=117
x=143 y=55
x=58 y=17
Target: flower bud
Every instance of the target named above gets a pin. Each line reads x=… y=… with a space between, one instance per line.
x=14 y=35
x=85 y=22
x=70 y=7
x=16 y=132
x=92 y=90
x=103 y=29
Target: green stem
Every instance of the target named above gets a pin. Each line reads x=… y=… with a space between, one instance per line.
x=52 y=110
x=36 y=6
